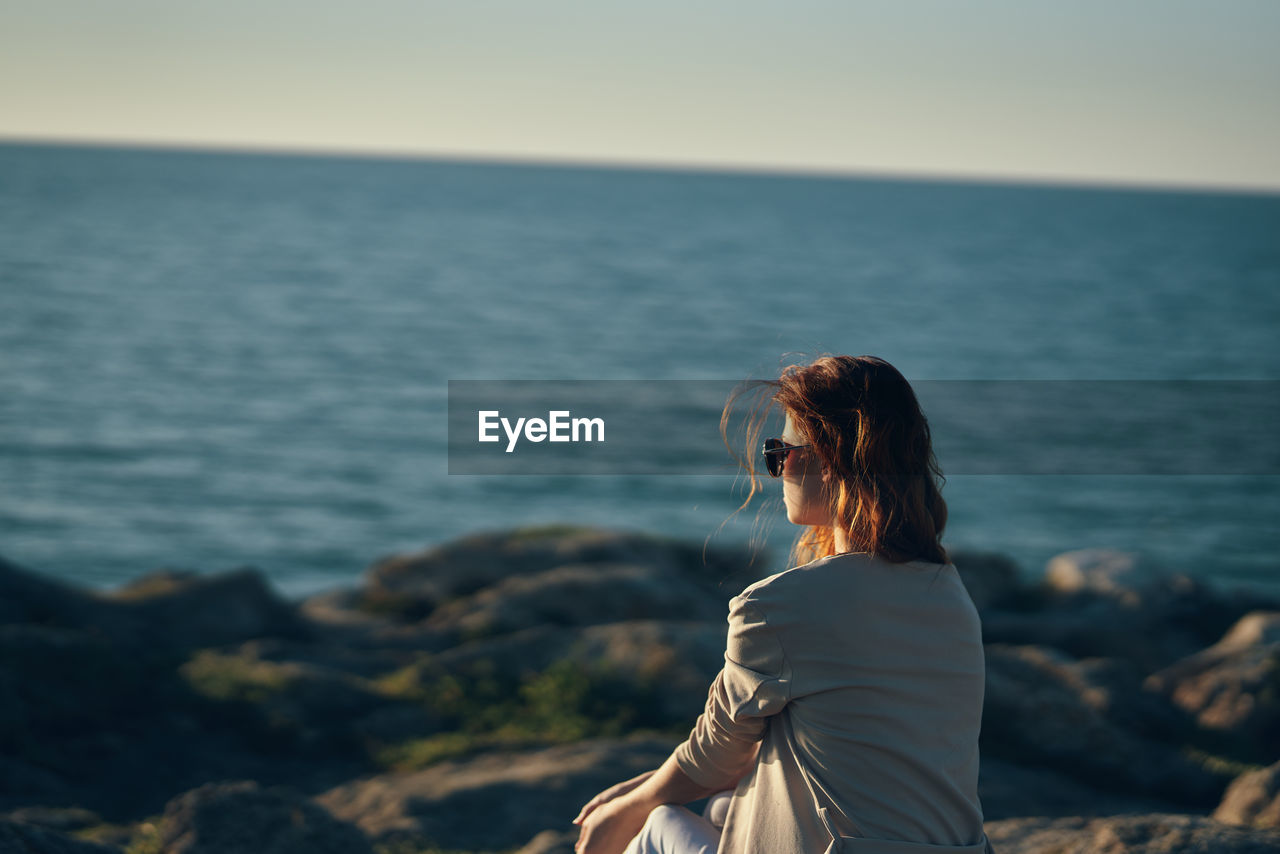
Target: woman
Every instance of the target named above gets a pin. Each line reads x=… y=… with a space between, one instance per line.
x=847 y=713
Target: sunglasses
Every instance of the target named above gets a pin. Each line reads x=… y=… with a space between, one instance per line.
x=775 y=455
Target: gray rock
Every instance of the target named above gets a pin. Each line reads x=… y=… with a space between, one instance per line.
x=341 y=616
x=1252 y=799
x=55 y=818
x=1041 y=709
x=682 y=656
x=21 y=838
x=1233 y=686
x=47 y=672
x=318 y=706
x=1153 y=833
x=189 y=611
x=327 y=654
x=552 y=842
x=577 y=595
x=415 y=584
x=237 y=817
x=1062 y=736
x=495 y=800
x=27 y=597
x=1009 y=790
x=1100 y=603
x=1103 y=571
x=105 y=726
x=162 y=611
x=992 y=579
x=22 y=781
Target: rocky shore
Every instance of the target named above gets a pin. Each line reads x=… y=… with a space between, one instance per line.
x=471 y=697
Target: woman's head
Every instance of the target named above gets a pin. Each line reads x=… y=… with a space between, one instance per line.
x=869 y=468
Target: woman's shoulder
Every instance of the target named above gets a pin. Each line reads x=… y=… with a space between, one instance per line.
x=805 y=575
x=846 y=570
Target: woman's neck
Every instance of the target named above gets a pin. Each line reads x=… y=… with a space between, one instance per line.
x=841 y=539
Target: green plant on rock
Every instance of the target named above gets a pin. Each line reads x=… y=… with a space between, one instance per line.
x=252 y=697
x=482 y=708
x=1223 y=766
x=231 y=677
x=146 y=838
x=568 y=702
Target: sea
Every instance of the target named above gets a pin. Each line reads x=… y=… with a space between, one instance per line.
x=217 y=359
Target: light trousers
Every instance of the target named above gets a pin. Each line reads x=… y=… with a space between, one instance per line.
x=674 y=829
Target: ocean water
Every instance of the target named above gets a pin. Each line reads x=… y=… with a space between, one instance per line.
x=211 y=360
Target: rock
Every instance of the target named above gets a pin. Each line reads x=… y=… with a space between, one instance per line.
x=1008 y=790
x=234 y=817
x=106 y=726
x=552 y=842
x=526 y=651
x=577 y=595
x=164 y=611
x=190 y=611
x=495 y=800
x=1041 y=709
x=47 y=672
x=1093 y=630
x=1234 y=685
x=19 y=838
x=1112 y=687
x=26 y=597
x=1106 y=606
x=1253 y=630
x=413 y=585
x=992 y=579
x=55 y=818
x=327 y=655
x=339 y=612
x=1252 y=799
x=1070 y=728
x=22 y=781
x=317 y=705
x=681 y=656
x=1102 y=571
x=1152 y=833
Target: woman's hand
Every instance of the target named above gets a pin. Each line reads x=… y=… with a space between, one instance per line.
x=611 y=793
x=611 y=826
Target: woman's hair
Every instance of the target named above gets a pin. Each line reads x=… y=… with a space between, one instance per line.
x=867 y=430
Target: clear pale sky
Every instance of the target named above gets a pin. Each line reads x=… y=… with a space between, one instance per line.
x=1151 y=92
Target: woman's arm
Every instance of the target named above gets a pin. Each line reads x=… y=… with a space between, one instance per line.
x=614 y=791
x=724 y=746
x=670 y=785
x=612 y=824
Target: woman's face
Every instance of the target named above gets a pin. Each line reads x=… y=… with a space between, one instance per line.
x=802 y=483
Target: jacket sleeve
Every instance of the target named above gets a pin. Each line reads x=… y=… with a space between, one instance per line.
x=754 y=684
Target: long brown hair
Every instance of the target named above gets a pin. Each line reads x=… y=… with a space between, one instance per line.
x=872 y=439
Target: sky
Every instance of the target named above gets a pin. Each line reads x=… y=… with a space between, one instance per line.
x=1148 y=92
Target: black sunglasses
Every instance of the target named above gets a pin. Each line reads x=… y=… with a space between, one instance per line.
x=775 y=455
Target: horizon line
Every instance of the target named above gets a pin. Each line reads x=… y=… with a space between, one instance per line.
x=606 y=162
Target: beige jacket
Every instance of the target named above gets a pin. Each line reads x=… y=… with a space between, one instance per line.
x=869 y=674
